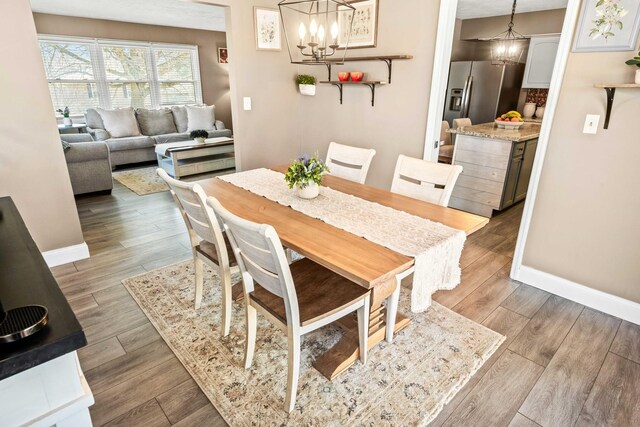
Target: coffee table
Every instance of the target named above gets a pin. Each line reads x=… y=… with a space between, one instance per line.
x=184 y=158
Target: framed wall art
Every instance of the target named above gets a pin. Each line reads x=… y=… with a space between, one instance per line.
x=608 y=25
x=267 y=28
x=223 y=55
x=364 y=31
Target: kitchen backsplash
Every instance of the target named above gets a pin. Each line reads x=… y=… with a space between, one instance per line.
x=539 y=96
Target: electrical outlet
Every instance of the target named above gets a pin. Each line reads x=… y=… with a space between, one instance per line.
x=591 y=124
x=247 y=103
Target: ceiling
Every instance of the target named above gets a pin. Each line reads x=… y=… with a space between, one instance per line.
x=468 y=9
x=173 y=13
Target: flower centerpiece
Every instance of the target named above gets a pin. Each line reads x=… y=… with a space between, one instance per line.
x=306 y=84
x=305 y=174
x=199 y=135
x=66 y=120
x=635 y=61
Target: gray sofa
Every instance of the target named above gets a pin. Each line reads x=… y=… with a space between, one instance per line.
x=88 y=163
x=136 y=149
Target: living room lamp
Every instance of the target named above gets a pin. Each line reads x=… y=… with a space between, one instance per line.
x=322 y=29
x=507 y=47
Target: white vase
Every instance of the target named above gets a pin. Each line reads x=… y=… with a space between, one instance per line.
x=529 y=110
x=638 y=76
x=308 y=90
x=311 y=191
x=199 y=140
x=67 y=121
x=540 y=112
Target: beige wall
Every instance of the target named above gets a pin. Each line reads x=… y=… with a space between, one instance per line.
x=585 y=225
x=32 y=166
x=530 y=23
x=215 y=76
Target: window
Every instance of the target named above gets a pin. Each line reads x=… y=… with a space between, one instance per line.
x=100 y=73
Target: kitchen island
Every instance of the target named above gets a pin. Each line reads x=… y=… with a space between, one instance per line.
x=497 y=165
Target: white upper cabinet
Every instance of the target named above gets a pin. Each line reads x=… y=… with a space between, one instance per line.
x=540 y=60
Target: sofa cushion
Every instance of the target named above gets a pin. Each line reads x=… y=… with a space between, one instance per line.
x=155 y=122
x=220 y=133
x=93 y=119
x=120 y=122
x=86 y=152
x=171 y=137
x=130 y=143
x=180 y=118
x=201 y=118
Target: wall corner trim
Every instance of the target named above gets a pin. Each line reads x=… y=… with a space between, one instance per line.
x=66 y=255
x=598 y=300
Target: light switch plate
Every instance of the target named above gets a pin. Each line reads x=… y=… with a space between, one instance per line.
x=591 y=124
x=247 y=103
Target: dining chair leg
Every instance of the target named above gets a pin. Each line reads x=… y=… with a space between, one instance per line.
x=199 y=267
x=294 y=370
x=252 y=326
x=363 y=329
x=392 y=311
x=226 y=302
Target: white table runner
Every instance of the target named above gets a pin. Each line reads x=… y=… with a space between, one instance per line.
x=435 y=247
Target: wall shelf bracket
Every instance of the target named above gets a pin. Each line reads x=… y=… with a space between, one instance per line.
x=610 y=88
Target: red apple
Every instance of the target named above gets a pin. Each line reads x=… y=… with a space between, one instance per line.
x=343 y=76
x=357 y=76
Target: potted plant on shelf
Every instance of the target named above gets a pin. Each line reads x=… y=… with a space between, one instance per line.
x=66 y=120
x=199 y=135
x=306 y=84
x=635 y=61
x=305 y=174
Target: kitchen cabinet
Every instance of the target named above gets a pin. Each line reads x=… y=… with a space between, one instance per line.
x=540 y=61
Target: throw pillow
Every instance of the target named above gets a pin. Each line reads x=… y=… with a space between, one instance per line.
x=65 y=146
x=120 y=122
x=201 y=118
x=180 y=118
x=155 y=122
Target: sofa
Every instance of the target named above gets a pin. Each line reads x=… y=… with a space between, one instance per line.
x=154 y=127
x=88 y=163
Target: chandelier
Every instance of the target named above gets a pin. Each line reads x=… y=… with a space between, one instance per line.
x=507 y=47
x=323 y=29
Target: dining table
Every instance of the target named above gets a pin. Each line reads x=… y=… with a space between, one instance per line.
x=363 y=262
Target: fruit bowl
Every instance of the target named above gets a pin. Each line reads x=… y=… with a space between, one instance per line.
x=508 y=125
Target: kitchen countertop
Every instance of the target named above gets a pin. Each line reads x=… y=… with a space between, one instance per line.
x=526 y=132
x=26 y=279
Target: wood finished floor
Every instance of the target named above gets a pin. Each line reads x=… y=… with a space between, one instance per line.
x=562 y=364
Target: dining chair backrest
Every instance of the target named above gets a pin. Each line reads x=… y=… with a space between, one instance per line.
x=348 y=162
x=424 y=180
x=458 y=123
x=260 y=255
x=198 y=216
x=445 y=136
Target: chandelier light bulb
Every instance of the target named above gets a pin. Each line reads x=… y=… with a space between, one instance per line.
x=302 y=31
x=334 y=30
x=321 y=33
x=313 y=28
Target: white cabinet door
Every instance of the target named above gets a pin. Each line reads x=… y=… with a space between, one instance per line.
x=540 y=61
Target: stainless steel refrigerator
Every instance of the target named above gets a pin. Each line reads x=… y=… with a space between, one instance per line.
x=481 y=91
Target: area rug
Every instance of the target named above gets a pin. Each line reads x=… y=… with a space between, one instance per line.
x=403 y=383
x=146 y=181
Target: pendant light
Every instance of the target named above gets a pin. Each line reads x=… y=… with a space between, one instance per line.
x=507 y=47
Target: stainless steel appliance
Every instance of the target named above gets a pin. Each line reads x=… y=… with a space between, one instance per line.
x=481 y=91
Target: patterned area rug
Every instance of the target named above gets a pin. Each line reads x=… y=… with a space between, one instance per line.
x=403 y=383
x=146 y=181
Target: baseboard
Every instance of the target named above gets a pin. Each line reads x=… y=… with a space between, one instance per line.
x=65 y=255
x=598 y=300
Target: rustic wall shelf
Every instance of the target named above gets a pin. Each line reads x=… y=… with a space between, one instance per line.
x=387 y=59
x=371 y=84
x=610 y=88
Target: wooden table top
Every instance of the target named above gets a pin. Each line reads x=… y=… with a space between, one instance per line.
x=361 y=261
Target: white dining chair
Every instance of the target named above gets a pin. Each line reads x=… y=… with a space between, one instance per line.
x=348 y=162
x=299 y=298
x=208 y=242
x=424 y=180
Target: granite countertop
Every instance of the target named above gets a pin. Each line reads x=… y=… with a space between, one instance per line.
x=25 y=279
x=490 y=130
